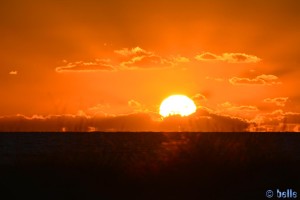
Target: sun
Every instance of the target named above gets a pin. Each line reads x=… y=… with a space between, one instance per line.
x=177 y=105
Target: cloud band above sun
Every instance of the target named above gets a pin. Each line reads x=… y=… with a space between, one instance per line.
x=138 y=58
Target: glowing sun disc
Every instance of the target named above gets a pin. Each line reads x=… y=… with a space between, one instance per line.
x=177 y=105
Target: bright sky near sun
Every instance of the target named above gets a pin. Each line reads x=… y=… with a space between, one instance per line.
x=236 y=59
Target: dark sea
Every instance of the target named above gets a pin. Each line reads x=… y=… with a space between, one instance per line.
x=149 y=166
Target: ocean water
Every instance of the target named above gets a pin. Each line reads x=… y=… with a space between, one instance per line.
x=148 y=165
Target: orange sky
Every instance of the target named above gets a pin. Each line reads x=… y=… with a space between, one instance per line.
x=114 y=58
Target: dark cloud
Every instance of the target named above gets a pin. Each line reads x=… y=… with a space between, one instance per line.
x=203 y=121
x=200 y=121
x=277 y=120
x=293 y=118
x=57 y=123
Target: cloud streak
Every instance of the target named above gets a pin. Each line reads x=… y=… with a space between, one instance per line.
x=230 y=107
x=243 y=111
x=214 y=79
x=279 y=101
x=228 y=57
x=136 y=51
x=13 y=72
x=259 y=80
x=80 y=66
x=146 y=62
x=138 y=58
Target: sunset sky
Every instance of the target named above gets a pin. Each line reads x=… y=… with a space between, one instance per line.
x=106 y=61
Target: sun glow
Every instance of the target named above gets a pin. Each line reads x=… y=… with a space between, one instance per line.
x=177 y=105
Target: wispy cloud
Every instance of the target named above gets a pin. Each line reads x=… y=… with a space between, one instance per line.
x=124 y=59
x=259 y=80
x=199 y=97
x=137 y=106
x=138 y=58
x=180 y=59
x=136 y=51
x=230 y=107
x=214 y=79
x=240 y=58
x=207 y=56
x=279 y=101
x=13 y=72
x=242 y=111
x=81 y=66
x=146 y=62
x=228 y=57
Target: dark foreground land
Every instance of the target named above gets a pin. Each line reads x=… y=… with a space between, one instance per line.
x=148 y=166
